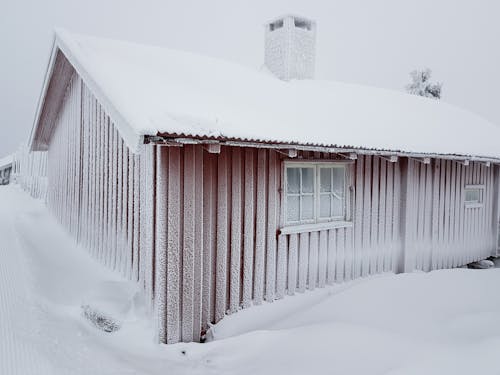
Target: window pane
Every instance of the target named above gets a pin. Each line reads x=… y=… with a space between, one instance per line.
x=325 y=179
x=325 y=202
x=293 y=180
x=338 y=181
x=338 y=207
x=472 y=195
x=307 y=180
x=292 y=207
x=307 y=207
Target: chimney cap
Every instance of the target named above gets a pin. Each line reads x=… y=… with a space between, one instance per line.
x=289 y=15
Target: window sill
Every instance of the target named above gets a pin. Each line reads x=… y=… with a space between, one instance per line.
x=302 y=228
x=473 y=205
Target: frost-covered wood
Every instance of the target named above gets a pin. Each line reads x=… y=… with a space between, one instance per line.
x=201 y=232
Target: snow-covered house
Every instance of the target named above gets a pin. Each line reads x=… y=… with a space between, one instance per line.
x=5 y=170
x=218 y=187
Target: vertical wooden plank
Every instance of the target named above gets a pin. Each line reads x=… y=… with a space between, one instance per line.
x=198 y=244
x=468 y=218
x=381 y=239
x=150 y=239
x=477 y=211
x=462 y=236
x=485 y=221
x=495 y=208
x=421 y=217
x=106 y=186
x=188 y=232
x=113 y=187
x=323 y=258
x=374 y=220
x=428 y=218
x=260 y=227
x=367 y=201
x=448 y=215
x=95 y=208
x=248 y=227
x=209 y=217
x=222 y=236
x=313 y=260
x=348 y=251
x=100 y=204
x=336 y=252
x=358 y=219
x=119 y=214
x=303 y=261
x=389 y=217
x=292 y=263
x=125 y=204
x=455 y=207
x=236 y=221
x=162 y=207
x=407 y=225
x=281 y=268
x=272 y=226
x=396 y=214
x=435 y=214
x=173 y=283
x=130 y=215
x=144 y=254
x=485 y=228
x=442 y=213
x=136 y=205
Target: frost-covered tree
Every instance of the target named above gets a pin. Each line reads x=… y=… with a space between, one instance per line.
x=421 y=84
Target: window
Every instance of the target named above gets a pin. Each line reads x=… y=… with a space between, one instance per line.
x=315 y=193
x=474 y=195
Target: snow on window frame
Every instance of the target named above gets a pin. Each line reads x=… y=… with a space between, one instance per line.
x=341 y=220
x=476 y=202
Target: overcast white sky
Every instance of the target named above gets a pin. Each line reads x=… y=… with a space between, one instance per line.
x=362 y=41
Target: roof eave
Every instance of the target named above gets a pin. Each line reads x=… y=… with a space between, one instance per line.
x=180 y=139
x=32 y=145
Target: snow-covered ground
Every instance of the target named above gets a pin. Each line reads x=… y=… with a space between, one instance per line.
x=443 y=322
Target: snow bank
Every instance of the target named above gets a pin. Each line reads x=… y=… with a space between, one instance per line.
x=152 y=90
x=442 y=322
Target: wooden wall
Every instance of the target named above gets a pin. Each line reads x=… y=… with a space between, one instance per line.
x=97 y=187
x=200 y=231
x=441 y=232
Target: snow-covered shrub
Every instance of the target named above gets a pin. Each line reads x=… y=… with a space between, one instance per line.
x=100 y=320
x=422 y=86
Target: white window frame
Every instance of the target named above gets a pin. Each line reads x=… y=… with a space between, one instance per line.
x=317 y=223
x=474 y=204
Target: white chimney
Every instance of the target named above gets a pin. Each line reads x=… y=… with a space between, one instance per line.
x=291 y=47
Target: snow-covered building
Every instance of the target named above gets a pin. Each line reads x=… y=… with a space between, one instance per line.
x=5 y=170
x=218 y=187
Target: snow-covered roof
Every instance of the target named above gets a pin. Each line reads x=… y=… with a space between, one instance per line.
x=150 y=90
x=6 y=161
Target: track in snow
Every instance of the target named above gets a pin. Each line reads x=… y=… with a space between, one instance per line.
x=18 y=332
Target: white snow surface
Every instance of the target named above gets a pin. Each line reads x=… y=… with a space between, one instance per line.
x=442 y=322
x=150 y=90
x=6 y=161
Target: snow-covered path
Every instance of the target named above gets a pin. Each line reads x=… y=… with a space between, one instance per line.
x=19 y=352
